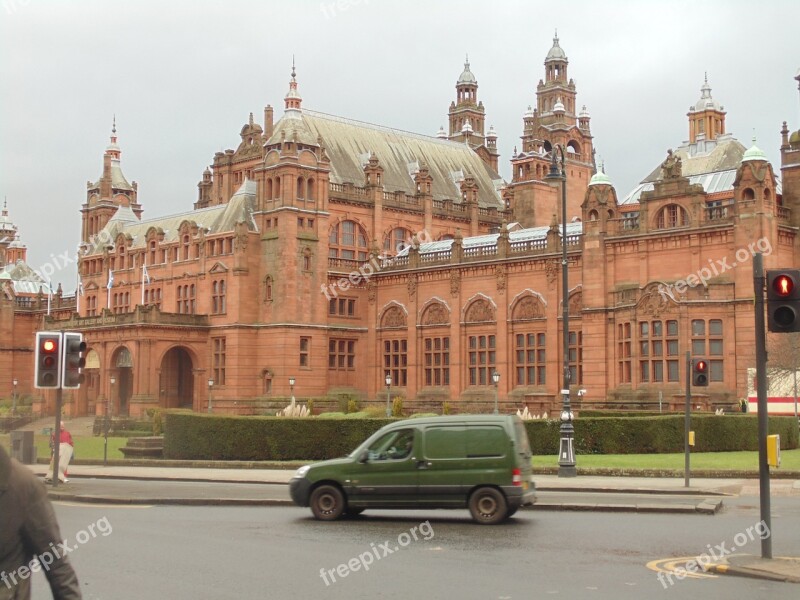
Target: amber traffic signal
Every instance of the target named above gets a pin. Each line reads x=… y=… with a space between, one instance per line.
x=783 y=300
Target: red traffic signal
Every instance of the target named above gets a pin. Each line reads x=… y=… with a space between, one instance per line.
x=48 y=360
x=783 y=300
x=699 y=372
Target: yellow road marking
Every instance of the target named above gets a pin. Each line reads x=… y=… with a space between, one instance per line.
x=670 y=565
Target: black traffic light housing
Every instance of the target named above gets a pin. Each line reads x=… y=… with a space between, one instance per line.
x=47 y=370
x=699 y=372
x=73 y=361
x=783 y=300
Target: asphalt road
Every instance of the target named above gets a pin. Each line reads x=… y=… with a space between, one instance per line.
x=279 y=553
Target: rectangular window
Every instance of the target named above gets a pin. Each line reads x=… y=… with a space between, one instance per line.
x=305 y=351
x=530 y=359
x=341 y=354
x=481 y=357
x=437 y=361
x=395 y=361
x=624 y=352
x=218 y=360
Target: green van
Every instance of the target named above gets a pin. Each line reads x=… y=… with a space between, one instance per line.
x=482 y=462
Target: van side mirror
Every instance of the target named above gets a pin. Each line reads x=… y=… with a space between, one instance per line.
x=363 y=457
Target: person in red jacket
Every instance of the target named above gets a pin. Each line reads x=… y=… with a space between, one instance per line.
x=65 y=451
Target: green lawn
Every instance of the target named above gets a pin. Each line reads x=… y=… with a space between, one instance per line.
x=85 y=447
x=712 y=461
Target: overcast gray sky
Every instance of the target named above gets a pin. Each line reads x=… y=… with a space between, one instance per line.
x=182 y=78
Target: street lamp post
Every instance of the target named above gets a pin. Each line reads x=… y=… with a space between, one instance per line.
x=210 y=385
x=388 y=381
x=107 y=420
x=291 y=386
x=14 y=400
x=566 y=455
x=496 y=380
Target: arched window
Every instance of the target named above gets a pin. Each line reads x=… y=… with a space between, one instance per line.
x=310 y=189
x=748 y=194
x=185 y=247
x=300 y=187
x=269 y=188
x=152 y=258
x=348 y=241
x=672 y=215
x=307 y=259
x=593 y=215
x=397 y=240
x=277 y=187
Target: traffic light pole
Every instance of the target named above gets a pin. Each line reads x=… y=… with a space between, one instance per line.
x=759 y=283
x=687 y=419
x=57 y=436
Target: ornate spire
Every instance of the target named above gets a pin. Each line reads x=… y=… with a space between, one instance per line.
x=113 y=149
x=293 y=98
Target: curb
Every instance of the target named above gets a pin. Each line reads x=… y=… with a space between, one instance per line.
x=728 y=569
x=91 y=499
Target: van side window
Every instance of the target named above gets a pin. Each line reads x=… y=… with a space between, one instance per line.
x=395 y=445
x=486 y=441
x=445 y=442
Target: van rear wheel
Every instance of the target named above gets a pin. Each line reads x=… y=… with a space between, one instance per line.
x=327 y=503
x=488 y=506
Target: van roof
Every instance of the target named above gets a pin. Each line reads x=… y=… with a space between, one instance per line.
x=458 y=419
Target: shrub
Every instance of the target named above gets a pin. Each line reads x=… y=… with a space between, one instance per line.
x=352 y=405
x=446 y=408
x=397 y=406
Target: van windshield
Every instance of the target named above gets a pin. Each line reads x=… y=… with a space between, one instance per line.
x=522 y=439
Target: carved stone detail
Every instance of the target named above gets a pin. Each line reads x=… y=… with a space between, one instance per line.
x=480 y=311
x=551 y=271
x=455 y=282
x=576 y=303
x=372 y=291
x=500 y=271
x=528 y=308
x=394 y=317
x=435 y=314
x=412 y=285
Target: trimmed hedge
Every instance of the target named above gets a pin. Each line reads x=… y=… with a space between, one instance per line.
x=195 y=436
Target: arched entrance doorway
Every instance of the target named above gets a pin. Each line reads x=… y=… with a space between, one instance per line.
x=122 y=390
x=177 y=380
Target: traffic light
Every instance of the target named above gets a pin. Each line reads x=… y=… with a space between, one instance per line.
x=73 y=361
x=783 y=300
x=699 y=372
x=48 y=360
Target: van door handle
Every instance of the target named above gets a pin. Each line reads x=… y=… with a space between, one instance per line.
x=424 y=464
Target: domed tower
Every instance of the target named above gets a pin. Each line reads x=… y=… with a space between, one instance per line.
x=108 y=193
x=467 y=115
x=706 y=116
x=11 y=249
x=554 y=122
x=790 y=168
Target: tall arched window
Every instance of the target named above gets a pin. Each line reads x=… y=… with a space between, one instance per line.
x=269 y=188
x=310 y=189
x=348 y=241
x=672 y=215
x=398 y=238
x=300 y=187
x=185 y=255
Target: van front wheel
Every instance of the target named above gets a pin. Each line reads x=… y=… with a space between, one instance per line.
x=327 y=503
x=488 y=506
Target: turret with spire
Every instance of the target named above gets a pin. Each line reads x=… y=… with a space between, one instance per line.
x=109 y=193
x=11 y=249
x=293 y=99
x=466 y=110
x=706 y=116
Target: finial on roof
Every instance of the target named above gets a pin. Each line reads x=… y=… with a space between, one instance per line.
x=5 y=206
x=293 y=71
x=114 y=124
x=251 y=118
x=706 y=74
x=466 y=61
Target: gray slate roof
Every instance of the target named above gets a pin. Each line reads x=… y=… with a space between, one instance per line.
x=216 y=219
x=349 y=144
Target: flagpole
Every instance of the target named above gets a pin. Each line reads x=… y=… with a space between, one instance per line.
x=108 y=289
x=49 y=295
x=78 y=292
x=144 y=270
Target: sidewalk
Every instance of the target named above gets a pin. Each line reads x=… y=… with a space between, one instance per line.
x=774 y=569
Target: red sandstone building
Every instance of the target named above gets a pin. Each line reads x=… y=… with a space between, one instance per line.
x=335 y=252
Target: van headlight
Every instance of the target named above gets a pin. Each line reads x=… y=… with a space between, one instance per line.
x=301 y=472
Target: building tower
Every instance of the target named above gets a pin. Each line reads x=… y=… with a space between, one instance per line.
x=466 y=114
x=554 y=121
x=790 y=168
x=706 y=117
x=108 y=193
x=11 y=249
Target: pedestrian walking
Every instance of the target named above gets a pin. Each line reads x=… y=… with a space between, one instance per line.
x=66 y=449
